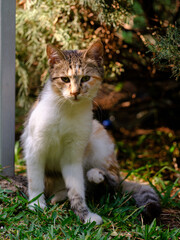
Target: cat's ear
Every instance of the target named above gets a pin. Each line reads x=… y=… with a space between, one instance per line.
x=95 y=51
x=54 y=54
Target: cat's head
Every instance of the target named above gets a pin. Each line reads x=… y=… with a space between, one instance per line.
x=76 y=74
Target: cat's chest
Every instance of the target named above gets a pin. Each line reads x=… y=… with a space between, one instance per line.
x=62 y=127
x=59 y=128
x=64 y=138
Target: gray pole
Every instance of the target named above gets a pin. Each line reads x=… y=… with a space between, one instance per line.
x=7 y=86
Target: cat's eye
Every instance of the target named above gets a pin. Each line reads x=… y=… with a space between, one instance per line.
x=85 y=79
x=65 y=79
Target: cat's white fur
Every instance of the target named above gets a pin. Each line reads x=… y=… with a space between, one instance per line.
x=55 y=138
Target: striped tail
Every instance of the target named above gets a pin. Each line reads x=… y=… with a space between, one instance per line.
x=144 y=195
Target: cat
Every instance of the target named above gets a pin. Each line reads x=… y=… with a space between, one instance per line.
x=65 y=149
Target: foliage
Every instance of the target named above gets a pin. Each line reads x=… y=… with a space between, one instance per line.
x=19 y=161
x=126 y=29
x=153 y=156
x=110 y=12
x=167 y=51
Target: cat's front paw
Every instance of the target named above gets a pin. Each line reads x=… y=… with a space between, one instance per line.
x=95 y=175
x=39 y=203
x=93 y=217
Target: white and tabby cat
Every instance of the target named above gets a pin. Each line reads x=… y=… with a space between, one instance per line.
x=63 y=146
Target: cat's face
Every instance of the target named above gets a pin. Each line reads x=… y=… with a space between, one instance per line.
x=76 y=75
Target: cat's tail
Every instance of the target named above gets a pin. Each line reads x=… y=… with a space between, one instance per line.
x=144 y=195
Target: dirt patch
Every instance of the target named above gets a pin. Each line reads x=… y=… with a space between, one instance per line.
x=16 y=183
x=170 y=218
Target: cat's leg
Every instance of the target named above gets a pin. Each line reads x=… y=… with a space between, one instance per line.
x=74 y=181
x=100 y=155
x=99 y=160
x=35 y=173
x=55 y=187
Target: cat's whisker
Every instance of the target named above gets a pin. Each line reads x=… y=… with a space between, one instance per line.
x=60 y=100
x=63 y=101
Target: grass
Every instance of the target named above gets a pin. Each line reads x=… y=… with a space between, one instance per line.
x=121 y=221
x=121 y=218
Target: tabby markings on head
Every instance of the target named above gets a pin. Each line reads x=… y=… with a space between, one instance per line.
x=76 y=73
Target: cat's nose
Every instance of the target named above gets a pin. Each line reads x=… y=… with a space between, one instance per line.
x=75 y=94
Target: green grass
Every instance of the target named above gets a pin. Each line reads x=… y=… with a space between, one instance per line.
x=121 y=218
x=121 y=221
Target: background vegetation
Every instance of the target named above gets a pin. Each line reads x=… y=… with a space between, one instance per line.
x=138 y=103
